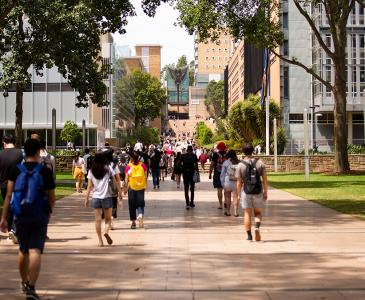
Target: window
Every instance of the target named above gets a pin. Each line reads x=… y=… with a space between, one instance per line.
x=65 y=87
x=296 y=118
x=286 y=82
x=358 y=118
x=39 y=87
x=53 y=87
x=286 y=47
x=285 y=20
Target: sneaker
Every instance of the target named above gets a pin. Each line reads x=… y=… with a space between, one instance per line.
x=133 y=226
x=257 y=235
x=187 y=207
x=31 y=295
x=24 y=287
x=13 y=237
x=140 y=221
x=249 y=238
x=192 y=204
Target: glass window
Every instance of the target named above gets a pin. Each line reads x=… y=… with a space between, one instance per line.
x=286 y=47
x=65 y=87
x=53 y=87
x=286 y=82
x=39 y=87
x=285 y=20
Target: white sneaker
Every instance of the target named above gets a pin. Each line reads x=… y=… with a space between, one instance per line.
x=13 y=237
x=140 y=221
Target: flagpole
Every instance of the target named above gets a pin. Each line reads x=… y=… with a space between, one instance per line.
x=267 y=104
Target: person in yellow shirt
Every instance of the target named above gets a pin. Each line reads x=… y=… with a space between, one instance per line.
x=136 y=184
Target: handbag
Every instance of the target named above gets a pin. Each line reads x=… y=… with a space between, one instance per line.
x=196 y=177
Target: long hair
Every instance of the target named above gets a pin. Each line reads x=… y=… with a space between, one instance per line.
x=233 y=156
x=99 y=166
x=76 y=157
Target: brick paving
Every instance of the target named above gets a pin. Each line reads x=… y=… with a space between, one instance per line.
x=307 y=252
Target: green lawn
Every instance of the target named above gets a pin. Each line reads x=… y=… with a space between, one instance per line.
x=344 y=193
x=64 y=175
x=64 y=191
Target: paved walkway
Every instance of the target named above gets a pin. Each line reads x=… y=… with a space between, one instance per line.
x=307 y=252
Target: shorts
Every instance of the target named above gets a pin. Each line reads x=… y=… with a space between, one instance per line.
x=230 y=186
x=31 y=235
x=217 y=181
x=102 y=203
x=252 y=201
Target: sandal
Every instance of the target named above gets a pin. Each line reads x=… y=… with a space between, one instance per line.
x=108 y=238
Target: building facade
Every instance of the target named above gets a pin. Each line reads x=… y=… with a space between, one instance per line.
x=211 y=59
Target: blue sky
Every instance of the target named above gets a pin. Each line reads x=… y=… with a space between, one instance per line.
x=142 y=29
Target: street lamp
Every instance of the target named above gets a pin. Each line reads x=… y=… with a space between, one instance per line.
x=314 y=127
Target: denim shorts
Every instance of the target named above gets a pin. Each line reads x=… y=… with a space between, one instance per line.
x=102 y=203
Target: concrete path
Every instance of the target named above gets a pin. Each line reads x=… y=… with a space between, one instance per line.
x=307 y=252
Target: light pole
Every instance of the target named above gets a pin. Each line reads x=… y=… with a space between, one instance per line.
x=314 y=127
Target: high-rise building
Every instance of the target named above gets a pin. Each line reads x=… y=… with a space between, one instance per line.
x=299 y=91
x=211 y=59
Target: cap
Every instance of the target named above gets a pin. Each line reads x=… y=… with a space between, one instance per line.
x=221 y=146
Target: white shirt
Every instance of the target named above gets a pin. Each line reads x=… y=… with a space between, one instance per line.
x=138 y=146
x=101 y=186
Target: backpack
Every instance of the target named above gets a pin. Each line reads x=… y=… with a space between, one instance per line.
x=89 y=162
x=28 y=200
x=220 y=161
x=113 y=184
x=137 y=179
x=231 y=172
x=251 y=180
x=47 y=161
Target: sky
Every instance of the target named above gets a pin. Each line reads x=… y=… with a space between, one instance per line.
x=142 y=29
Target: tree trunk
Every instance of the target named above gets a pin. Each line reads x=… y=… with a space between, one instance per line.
x=19 y=116
x=339 y=92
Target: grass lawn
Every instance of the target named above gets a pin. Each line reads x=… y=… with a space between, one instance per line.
x=64 y=175
x=64 y=191
x=344 y=193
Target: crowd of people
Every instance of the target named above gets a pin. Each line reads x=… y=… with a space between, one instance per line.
x=27 y=179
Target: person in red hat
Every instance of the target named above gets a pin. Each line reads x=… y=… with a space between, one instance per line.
x=216 y=168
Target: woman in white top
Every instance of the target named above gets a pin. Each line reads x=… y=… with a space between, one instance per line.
x=229 y=181
x=78 y=171
x=98 y=182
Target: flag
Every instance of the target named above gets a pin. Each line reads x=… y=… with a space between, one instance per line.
x=265 y=78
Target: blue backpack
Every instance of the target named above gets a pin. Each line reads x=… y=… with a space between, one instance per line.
x=28 y=199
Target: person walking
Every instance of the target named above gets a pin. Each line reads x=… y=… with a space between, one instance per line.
x=189 y=165
x=252 y=189
x=216 y=168
x=30 y=188
x=88 y=162
x=203 y=158
x=78 y=171
x=177 y=169
x=136 y=185
x=229 y=181
x=9 y=158
x=155 y=159
x=98 y=182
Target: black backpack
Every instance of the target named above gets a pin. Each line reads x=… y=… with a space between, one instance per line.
x=251 y=181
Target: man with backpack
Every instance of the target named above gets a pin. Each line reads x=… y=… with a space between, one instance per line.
x=31 y=191
x=252 y=188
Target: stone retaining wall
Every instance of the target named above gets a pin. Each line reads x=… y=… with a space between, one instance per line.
x=286 y=163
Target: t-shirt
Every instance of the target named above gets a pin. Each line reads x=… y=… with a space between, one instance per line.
x=48 y=180
x=79 y=162
x=9 y=158
x=218 y=160
x=101 y=186
x=188 y=162
x=138 y=146
x=242 y=168
x=85 y=157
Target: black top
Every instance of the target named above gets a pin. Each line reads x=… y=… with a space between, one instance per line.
x=218 y=160
x=48 y=181
x=189 y=162
x=155 y=160
x=8 y=159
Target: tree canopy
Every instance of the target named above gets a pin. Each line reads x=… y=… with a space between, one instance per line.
x=70 y=132
x=214 y=100
x=146 y=94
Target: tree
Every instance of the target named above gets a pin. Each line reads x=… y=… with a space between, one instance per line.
x=214 y=100
x=247 y=119
x=259 y=23
x=182 y=62
x=204 y=134
x=146 y=94
x=70 y=132
x=65 y=34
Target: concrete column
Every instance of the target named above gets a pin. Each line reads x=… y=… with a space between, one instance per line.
x=349 y=128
